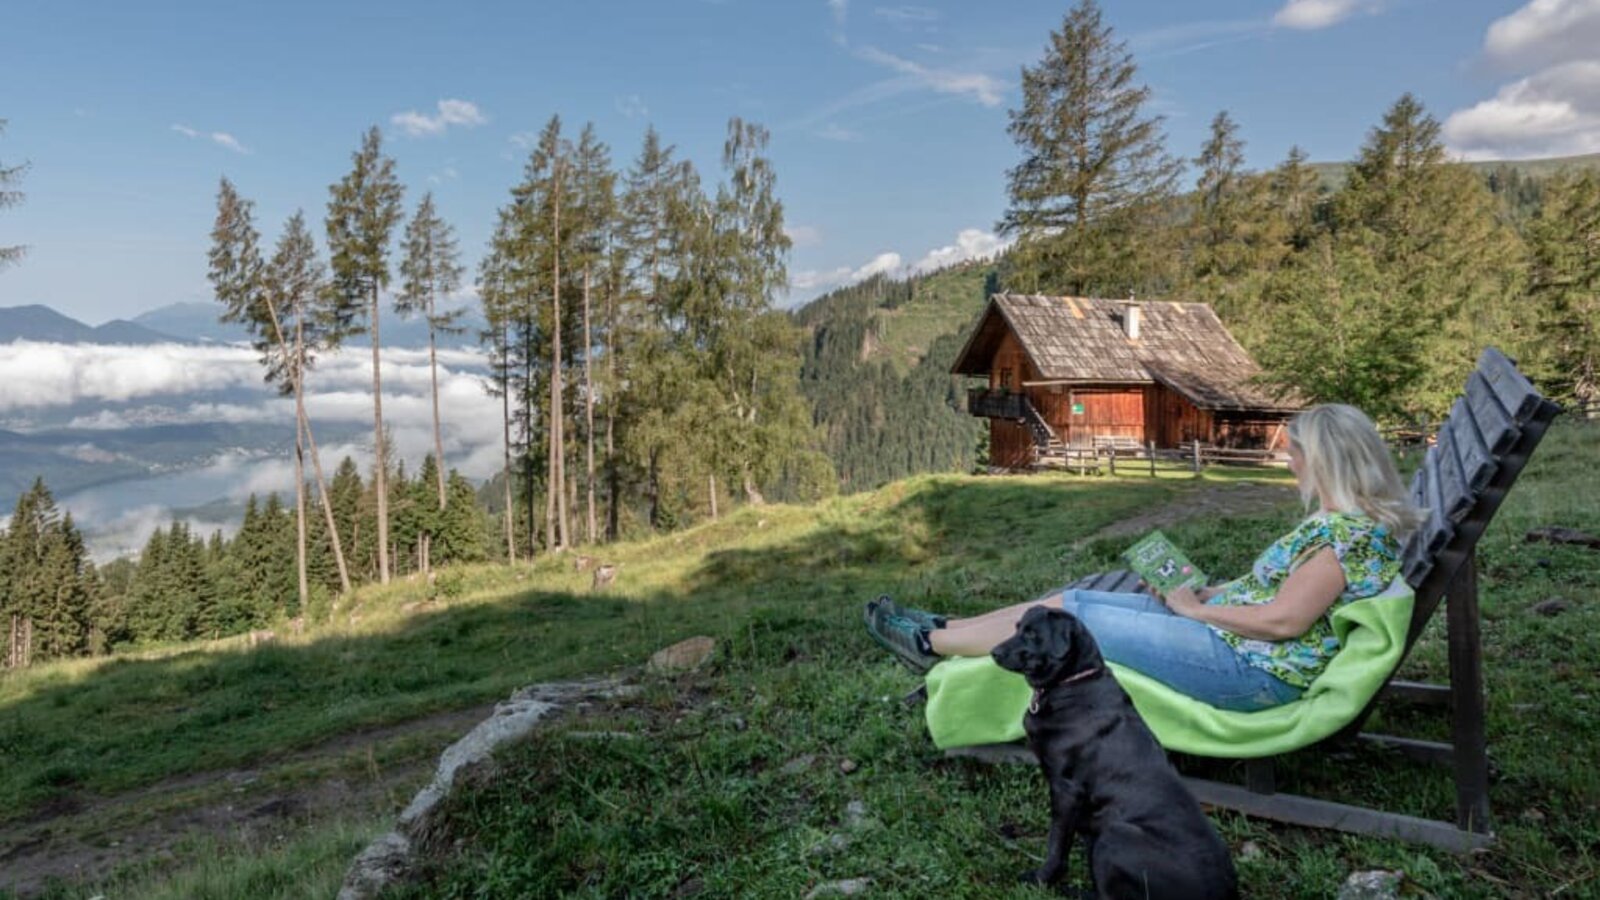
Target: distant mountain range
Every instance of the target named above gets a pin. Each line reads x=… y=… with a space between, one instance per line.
x=188 y=323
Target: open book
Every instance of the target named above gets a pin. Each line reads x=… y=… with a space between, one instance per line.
x=1162 y=565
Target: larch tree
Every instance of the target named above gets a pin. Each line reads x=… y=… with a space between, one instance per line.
x=593 y=224
x=363 y=211
x=496 y=292
x=1095 y=178
x=431 y=271
x=10 y=177
x=280 y=302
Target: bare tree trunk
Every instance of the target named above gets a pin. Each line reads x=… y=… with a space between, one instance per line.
x=653 y=487
x=381 y=475
x=505 y=420
x=438 y=436
x=300 y=518
x=613 y=479
x=712 y=493
x=588 y=401
x=558 y=444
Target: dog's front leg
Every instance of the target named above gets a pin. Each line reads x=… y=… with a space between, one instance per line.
x=1063 y=827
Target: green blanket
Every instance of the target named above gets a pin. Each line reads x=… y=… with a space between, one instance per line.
x=973 y=701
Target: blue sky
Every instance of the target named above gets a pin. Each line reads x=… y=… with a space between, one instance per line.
x=888 y=119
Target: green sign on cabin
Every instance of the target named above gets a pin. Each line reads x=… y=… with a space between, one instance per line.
x=1077 y=409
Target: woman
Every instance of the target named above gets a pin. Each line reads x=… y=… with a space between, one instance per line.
x=1257 y=641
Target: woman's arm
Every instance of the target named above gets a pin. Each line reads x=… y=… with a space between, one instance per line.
x=1308 y=592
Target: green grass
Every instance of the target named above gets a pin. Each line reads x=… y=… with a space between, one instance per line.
x=945 y=303
x=715 y=793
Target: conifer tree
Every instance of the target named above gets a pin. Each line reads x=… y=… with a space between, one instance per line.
x=1564 y=288
x=594 y=220
x=363 y=210
x=1094 y=176
x=497 y=292
x=61 y=623
x=10 y=177
x=431 y=271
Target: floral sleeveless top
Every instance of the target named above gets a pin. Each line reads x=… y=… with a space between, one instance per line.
x=1370 y=557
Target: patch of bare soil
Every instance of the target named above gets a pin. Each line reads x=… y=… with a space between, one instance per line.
x=1218 y=501
x=89 y=837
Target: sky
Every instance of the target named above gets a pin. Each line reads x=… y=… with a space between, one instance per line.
x=888 y=120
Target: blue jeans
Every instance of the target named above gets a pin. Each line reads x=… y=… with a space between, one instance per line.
x=1140 y=632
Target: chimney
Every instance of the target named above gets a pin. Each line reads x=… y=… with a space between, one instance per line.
x=1130 y=321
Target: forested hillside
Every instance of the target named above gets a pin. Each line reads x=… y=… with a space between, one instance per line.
x=876 y=369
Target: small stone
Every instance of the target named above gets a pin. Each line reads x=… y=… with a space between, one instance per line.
x=684 y=655
x=798 y=764
x=1378 y=884
x=1251 y=851
x=834 y=844
x=855 y=814
x=738 y=723
x=1553 y=606
x=849 y=887
x=848 y=766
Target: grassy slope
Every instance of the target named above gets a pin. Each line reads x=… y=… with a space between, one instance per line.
x=944 y=302
x=737 y=783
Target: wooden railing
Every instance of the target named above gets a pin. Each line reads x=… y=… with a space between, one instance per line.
x=997 y=404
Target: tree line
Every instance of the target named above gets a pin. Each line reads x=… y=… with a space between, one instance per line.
x=1379 y=293
x=56 y=603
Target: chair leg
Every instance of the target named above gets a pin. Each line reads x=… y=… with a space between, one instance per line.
x=1467 y=705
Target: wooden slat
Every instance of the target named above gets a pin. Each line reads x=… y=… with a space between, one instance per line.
x=1437 y=531
x=1457 y=495
x=1477 y=466
x=1499 y=432
x=1418 y=692
x=1435 y=752
x=1516 y=393
x=1126 y=582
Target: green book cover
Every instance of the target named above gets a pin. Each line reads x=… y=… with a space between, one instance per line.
x=1162 y=565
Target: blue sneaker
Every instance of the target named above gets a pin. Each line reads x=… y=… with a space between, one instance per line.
x=924 y=619
x=900 y=636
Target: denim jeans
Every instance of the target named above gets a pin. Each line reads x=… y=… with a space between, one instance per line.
x=1140 y=632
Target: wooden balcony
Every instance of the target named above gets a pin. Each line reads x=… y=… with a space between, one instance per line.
x=997 y=404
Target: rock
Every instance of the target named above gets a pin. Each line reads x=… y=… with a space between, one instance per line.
x=855 y=814
x=1533 y=816
x=1250 y=851
x=684 y=655
x=1554 y=606
x=834 y=844
x=1377 y=884
x=1556 y=534
x=604 y=575
x=384 y=862
x=849 y=887
x=848 y=766
x=512 y=719
x=798 y=764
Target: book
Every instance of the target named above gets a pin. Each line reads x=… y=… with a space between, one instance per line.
x=1162 y=565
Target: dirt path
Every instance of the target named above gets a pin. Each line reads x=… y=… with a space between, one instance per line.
x=1217 y=501
x=90 y=837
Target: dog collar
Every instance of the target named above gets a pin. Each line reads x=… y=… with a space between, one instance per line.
x=1038 y=693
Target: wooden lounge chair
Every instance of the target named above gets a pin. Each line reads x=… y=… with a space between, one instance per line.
x=1480 y=450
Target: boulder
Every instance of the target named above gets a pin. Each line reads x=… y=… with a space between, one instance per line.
x=683 y=656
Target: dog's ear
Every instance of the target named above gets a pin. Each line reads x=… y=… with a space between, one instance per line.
x=1066 y=644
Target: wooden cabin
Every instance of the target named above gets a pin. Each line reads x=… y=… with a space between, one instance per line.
x=1080 y=372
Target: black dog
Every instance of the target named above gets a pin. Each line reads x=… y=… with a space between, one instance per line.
x=1144 y=833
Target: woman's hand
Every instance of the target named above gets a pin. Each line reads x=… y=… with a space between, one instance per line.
x=1183 y=601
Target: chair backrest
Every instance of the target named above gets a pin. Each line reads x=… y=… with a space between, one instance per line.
x=1479 y=451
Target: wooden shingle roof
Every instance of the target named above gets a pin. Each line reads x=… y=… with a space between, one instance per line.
x=1077 y=340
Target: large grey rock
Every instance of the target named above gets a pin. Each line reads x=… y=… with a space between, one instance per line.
x=388 y=859
x=1378 y=884
x=849 y=887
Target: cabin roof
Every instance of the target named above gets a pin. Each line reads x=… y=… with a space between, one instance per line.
x=1081 y=340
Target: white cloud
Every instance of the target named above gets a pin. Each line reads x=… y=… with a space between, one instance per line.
x=220 y=138
x=463 y=113
x=986 y=89
x=840 y=9
x=907 y=16
x=803 y=235
x=970 y=244
x=1545 y=32
x=1555 y=112
x=1310 y=15
x=632 y=107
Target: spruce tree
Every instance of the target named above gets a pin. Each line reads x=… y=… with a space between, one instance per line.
x=1095 y=179
x=594 y=223
x=363 y=211
x=498 y=291
x=1564 y=289
x=10 y=177
x=431 y=272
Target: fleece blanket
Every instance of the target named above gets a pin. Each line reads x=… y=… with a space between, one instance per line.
x=973 y=701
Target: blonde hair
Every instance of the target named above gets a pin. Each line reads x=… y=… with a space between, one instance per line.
x=1348 y=465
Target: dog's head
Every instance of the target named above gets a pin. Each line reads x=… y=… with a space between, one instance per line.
x=1050 y=645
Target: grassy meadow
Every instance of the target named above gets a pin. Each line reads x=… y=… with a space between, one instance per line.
x=791 y=761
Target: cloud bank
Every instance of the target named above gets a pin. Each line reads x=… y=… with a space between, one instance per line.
x=970 y=244
x=462 y=113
